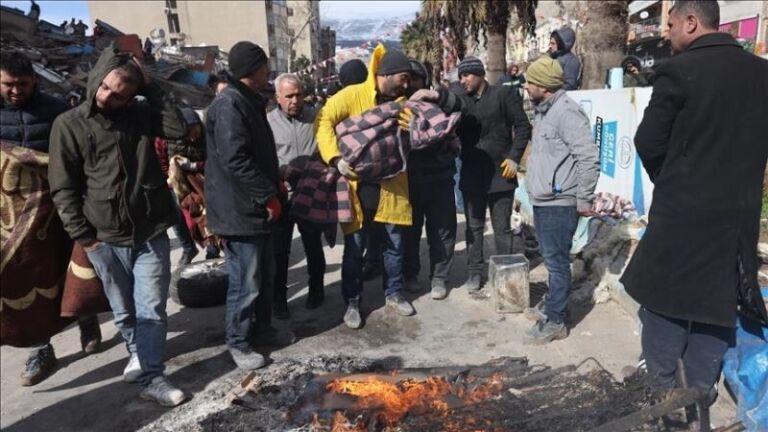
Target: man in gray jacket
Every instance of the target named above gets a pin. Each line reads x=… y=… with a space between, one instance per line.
x=292 y=124
x=562 y=174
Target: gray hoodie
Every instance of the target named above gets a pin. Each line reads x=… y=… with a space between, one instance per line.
x=566 y=38
x=564 y=163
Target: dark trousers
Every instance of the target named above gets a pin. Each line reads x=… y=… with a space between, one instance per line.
x=475 y=205
x=251 y=266
x=700 y=346
x=312 y=239
x=355 y=244
x=435 y=202
x=555 y=226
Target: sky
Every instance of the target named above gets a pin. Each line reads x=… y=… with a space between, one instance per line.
x=58 y=11
x=55 y=11
x=367 y=9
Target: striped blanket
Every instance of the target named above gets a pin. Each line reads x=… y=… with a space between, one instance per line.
x=376 y=149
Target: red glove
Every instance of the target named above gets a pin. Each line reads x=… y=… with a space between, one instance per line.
x=274 y=208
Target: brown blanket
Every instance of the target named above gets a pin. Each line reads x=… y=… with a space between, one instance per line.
x=41 y=287
x=35 y=249
x=189 y=189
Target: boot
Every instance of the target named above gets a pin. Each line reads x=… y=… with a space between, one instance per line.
x=39 y=365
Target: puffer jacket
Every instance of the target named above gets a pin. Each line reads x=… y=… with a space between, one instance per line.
x=105 y=178
x=30 y=125
x=566 y=38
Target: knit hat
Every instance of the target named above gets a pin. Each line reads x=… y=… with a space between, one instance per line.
x=393 y=62
x=545 y=72
x=244 y=58
x=353 y=72
x=471 y=65
x=418 y=69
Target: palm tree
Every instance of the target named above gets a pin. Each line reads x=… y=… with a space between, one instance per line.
x=602 y=39
x=480 y=19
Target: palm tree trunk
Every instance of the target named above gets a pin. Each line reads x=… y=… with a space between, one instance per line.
x=497 y=56
x=602 y=40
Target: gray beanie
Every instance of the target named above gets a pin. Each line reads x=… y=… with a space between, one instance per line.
x=471 y=65
x=393 y=62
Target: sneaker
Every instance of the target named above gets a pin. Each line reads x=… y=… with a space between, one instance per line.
x=187 y=256
x=160 y=390
x=472 y=284
x=439 y=291
x=273 y=337
x=132 y=370
x=39 y=365
x=400 y=304
x=412 y=285
x=352 y=316
x=90 y=335
x=544 y=331
x=536 y=312
x=371 y=272
x=315 y=298
x=247 y=359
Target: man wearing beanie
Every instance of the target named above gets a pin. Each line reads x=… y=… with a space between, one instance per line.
x=430 y=179
x=378 y=208
x=494 y=132
x=352 y=72
x=562 y=174
x=244 y=196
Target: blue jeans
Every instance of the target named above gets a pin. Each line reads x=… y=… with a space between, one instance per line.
x=555 y=227
x=251 y=267
x=390 y=237
x=136 y=283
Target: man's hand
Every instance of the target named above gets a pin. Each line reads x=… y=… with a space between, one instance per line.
x=425 y=95
x=345 y=169
x=274 y=208
x=91 y=245
x=585 y=210
x=404 y=119
x=508 y=169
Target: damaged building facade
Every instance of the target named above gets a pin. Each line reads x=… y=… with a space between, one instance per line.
x=192 y=23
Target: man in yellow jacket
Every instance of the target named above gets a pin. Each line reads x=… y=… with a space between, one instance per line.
x=378 y=208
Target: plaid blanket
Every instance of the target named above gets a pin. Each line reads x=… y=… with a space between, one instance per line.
x=613 y=206
x=376 y=149
x=189 y=189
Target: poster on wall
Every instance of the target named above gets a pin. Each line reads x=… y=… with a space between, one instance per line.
x=614 y=116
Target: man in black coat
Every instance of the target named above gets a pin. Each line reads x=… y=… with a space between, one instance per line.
x=244 y=200
x=494 y=132
x=704 y=145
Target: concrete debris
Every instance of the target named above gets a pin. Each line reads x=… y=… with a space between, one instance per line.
x=62 y=61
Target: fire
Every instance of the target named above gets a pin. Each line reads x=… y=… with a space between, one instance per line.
x=393 y=400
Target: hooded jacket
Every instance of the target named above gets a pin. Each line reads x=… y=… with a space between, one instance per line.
x=105 y=178
x=30 y=125
x=566 y=39
x=352 y=101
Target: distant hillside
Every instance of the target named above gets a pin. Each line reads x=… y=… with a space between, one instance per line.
x=368 y=29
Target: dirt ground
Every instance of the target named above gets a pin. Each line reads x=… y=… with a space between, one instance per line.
x=87 y=393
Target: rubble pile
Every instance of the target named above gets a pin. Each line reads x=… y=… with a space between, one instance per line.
x=62 y=60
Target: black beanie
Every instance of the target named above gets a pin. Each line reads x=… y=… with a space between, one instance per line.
x=471 y=65
x=393 y=62
x=244 y=58
x=353 y=72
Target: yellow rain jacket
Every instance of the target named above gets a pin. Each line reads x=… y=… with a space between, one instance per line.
x=352 y=101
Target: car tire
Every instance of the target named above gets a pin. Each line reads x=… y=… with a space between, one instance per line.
x=200 y=284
